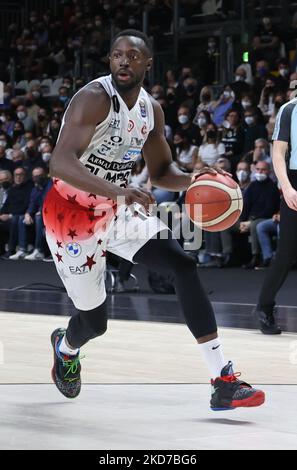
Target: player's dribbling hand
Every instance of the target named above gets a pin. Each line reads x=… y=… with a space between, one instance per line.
x=210 y=170
x=290 y=196
x=141 y=196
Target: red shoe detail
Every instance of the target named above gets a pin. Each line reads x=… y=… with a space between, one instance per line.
x=255 y=400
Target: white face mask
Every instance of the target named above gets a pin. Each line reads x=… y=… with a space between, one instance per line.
x=226 y=124
x=242 y=175
x=201 y=122
x=239 y=78
x=261 y=176
x=284 y=72
x=21 y=115
x=246 y=104
x=3 y=143
x=249 y=120
x=227 y=94
x=46 y=157
x=156 y=95
x=36 y=94
x=183 y=119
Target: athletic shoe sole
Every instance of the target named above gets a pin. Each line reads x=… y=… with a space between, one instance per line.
x=256 y=400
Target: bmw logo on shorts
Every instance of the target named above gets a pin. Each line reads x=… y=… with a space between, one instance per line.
x=73 y=249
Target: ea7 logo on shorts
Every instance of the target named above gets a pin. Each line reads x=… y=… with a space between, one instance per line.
x=73 y=249
x=78 y=270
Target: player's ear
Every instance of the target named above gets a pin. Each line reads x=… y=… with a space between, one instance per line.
x=149 y=63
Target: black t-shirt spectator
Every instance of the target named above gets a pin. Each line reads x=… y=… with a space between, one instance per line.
x=252 y=133
x=6 y=164
x=261 y=200
x=18 y=199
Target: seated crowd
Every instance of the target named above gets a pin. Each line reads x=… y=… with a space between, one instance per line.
x=230 y=129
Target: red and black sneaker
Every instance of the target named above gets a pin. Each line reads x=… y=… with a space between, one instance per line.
x=228 y=392
x=66 y=369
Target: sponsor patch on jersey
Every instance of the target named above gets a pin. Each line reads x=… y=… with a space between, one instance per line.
x=130 y=125
x=73 y=249
x=132 y=154
x=142 y=108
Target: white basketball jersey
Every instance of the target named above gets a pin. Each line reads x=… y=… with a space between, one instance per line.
x=118 y=140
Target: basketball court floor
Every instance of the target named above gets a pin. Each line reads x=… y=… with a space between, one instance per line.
x=145 y=387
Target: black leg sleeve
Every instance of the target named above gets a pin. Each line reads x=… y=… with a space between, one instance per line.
x=86 y=325
x=169 y=257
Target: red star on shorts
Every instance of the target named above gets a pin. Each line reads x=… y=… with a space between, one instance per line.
x=90 y=262
x=90 y=231
x=91 y=207
x=92 y=195
x=72 y=233
x=55 y=181
x=59 y=257
x=92 y=218
x=100 y=241
x=71 y=198
x=60 y=217
x=59 y=244
x=103 y=254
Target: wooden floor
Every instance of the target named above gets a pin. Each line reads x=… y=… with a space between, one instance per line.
x=141 y=352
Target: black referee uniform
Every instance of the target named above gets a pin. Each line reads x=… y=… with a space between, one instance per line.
x=286 y=131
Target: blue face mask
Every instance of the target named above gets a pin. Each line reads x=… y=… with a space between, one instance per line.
x=63 y=98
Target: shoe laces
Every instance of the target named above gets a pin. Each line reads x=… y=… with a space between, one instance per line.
x=233 y=378
x=72 y=366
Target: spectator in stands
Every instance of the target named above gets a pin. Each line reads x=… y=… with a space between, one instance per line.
x=279 y=99
x=33 y=215
x=202 y=120
x=207 y=102
x=27 y=121
x=262 y=72
x=14 y=209
x=8 y=120
x=18 y=157
x=261 y=202
x=240 y=86
x=46 y=153
x=253 y=129
x=260 y=153
x=212 y=148
x=243 y=175
x=266 y=42
x=18 y=136
x=186 y=125
x=283 y=79
x=266 y=103
x=5 y=163
x=53 y=129
x=157 y=92
x=224 y=103
x=265 y=231
x=42 y=123
x=209 y=62
x=186 y=152
x=233 y=137
x=64 y=96
x=190 y=95
x=5 y=184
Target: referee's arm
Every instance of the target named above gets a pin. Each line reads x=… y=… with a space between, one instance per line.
x=281 y=139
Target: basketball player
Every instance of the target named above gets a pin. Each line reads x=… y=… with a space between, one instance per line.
x=106 y=126
x=285 y=167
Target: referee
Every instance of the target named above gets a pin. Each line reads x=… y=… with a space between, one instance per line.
x=285 y=167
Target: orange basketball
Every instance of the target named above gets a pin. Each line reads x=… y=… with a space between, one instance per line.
x=214 y=202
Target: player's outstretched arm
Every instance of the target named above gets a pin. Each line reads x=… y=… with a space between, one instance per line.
x=87 y=109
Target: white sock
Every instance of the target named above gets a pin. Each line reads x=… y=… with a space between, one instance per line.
x=213 y=356
x=64 y=349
